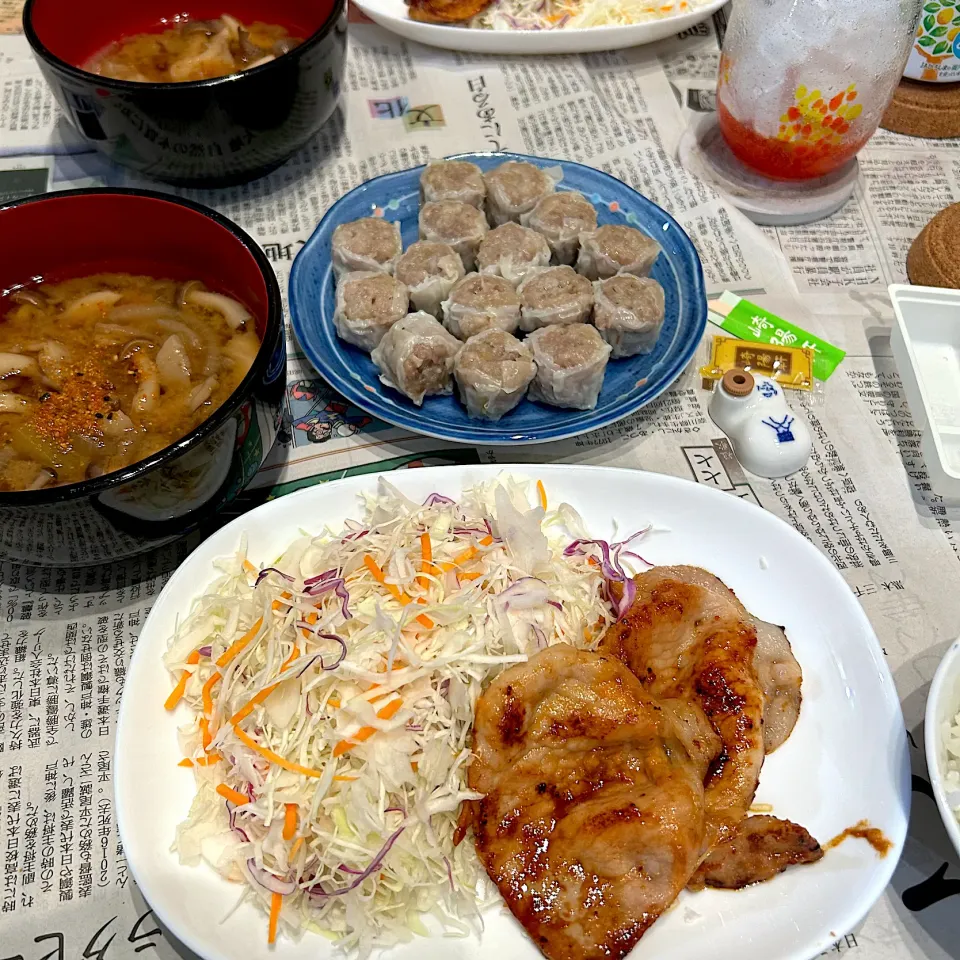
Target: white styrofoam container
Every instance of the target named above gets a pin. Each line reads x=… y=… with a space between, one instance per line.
x=926 y=346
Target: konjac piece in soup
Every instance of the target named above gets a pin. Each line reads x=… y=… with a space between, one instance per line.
x=193 y=50
x=99 y=372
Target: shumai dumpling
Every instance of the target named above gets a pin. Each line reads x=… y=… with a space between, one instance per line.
x=456 y=223
x=628 y=313
x=367 y=244
x=453 y=180
x=429 y=270
x=368 y=304
x=493 y=370
x=512 y=252
x=415 y=357
x=561 y=218
x=554 y=295
x=571 y=360
x=614 y=248
x=514 y=188
x=479 y=302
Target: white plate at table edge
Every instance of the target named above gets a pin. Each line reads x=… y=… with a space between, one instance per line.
x=392 y=15
x=774 y=570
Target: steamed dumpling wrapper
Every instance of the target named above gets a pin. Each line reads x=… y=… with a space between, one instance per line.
x=628 y=312
x=615 y=248
x=453 y=180
x=459 y=224
x=429 y=270
x=415 y=357
x=479 y=302
x=368 y=304
x=514 y=187
x=370 y=243
x=512 y=252
x=493 y=371
x=571 y=361
x=561 y=218
x=554 y=295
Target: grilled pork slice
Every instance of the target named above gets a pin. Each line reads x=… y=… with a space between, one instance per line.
x=592 y=819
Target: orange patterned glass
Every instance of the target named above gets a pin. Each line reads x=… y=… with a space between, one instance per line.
x=797 y=97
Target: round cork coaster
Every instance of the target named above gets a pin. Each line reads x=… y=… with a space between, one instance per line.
x=932 y=259
x=929 y=110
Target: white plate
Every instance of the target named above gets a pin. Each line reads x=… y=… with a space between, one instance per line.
x=393 y=15
x=846 y=760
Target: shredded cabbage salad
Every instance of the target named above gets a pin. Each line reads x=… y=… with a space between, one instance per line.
x=332 y=698
x=558 y=14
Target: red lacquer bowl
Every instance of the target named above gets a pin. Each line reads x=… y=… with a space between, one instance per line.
x=205 y=132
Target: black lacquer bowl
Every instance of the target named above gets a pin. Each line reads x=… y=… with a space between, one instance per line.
x=184 y=485
x=215 y=132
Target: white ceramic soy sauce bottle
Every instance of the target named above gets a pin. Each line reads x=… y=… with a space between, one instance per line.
x=768 y=439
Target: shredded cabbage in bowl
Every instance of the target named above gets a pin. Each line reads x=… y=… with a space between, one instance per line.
x=332 y=696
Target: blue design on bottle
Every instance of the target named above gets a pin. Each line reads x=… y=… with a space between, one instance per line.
x=781 y=428
x=767 y=389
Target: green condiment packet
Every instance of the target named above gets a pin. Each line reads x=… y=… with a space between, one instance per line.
x=747 y=321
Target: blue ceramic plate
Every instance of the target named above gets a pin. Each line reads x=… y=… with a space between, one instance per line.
x=629 y=384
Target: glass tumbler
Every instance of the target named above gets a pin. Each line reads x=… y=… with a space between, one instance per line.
x=804 y=83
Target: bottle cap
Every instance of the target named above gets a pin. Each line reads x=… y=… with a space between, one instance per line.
x=737 y=382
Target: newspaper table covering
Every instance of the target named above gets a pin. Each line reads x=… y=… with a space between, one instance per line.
x=863 y=498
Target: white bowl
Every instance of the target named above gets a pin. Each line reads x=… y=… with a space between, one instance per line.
x=943 y=704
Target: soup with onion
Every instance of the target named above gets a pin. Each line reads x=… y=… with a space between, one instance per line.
x=99 y=372
x=193 y=50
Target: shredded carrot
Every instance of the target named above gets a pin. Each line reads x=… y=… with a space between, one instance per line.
x=178 y=691
x=394 y=590
x=250 y=568
x=276 y=901
x=364 y=733
x=238 y=646
x=205 y=736
x=344 y=779
x=334 y=702
x=380 y=577
x=289 y=820
x=297 y=844
x=466 y=556
x=247 y=708
x=426 y=552
x=208 y=761
x=542 y=494
x=275 y=757
x=207 y=692
x=311 y=618
x=277 y=605
x=385 y=713
x=234 y=796
x=476 y=575
x=414 y=765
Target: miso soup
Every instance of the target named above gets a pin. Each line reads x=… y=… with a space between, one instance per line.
x=193 y=50
x=99 y=372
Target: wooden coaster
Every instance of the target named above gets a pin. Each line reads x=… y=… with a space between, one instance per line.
x=933 y=260
x=929 y=110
